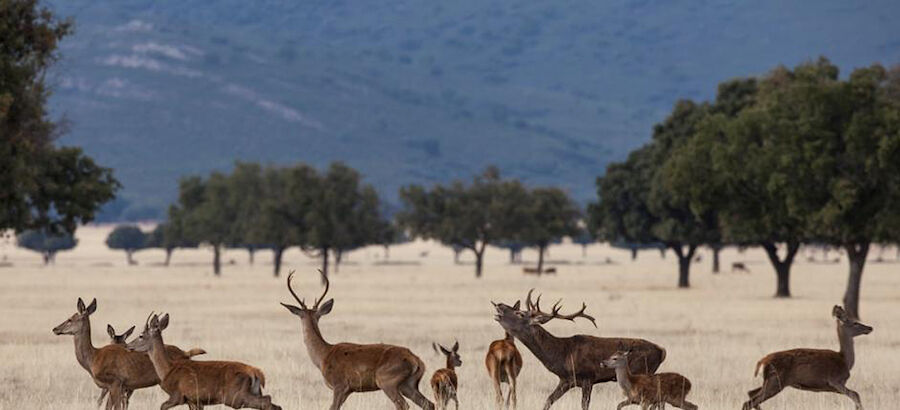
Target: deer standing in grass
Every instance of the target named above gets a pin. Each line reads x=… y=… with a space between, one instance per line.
x=348 y=368
x=113 y=368
x=650 y=391
x=816 y=370
x=200 y=383
x=576 y=360
x=444 y=381
x=504 y=363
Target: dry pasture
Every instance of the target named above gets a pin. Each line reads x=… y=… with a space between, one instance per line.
x=714 y=333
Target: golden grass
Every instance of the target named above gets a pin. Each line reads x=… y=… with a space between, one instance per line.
x=714 y=333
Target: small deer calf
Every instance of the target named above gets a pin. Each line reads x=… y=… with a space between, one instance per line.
x=444 y=381
x=504 y=362
x=650 y=391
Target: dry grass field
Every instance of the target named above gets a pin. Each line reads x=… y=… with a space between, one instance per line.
x=714 y=333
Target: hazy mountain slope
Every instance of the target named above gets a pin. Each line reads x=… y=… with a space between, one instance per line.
x=414 y=91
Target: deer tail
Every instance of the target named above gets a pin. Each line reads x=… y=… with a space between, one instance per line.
x=195 y=352
x=760 y=364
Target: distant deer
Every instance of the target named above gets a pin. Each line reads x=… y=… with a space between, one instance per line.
x=739 y=267
x=348 y=368
x=504 y=363
x=444 y=381
x=650 y=391
x=535 y=271
x=200 y=383
x=811 y=369
x=113 y=368
x=576 y=360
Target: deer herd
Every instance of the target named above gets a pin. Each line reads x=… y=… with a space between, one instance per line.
x=121 y=367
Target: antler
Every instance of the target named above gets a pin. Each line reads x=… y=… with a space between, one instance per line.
x=325 y=292
x=535 y=309
x=294 y=294
x=302 y=301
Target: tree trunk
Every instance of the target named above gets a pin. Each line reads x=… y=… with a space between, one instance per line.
x=387 y=252
x=479 y=258
x=540 y=267
x=512 y=256
x=782 y=266
x=684 y=263
x=276 y=259
x=456 y=252
x=662 y=253
x=168 y=256
x=324 y=264
x=46 y=256
x=716 y=249
x=856 y=254
x=128 y=254
x=584 y=250
x=251 y=251
x=634 y=253
x=217 y=260
x=338 y=256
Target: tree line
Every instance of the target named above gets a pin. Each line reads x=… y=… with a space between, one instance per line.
x=797 y=156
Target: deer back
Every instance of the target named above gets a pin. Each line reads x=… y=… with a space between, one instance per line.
x=585 y=354
x=211 y=382
x=809 y=368
x=114 y=362
x=357 y=365
x=503 y=353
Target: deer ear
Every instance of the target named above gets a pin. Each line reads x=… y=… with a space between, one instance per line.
x=92 y=307
x=456 y=346
x=293 y=309
x=80 y=306
x=444 y=350
x=110 y=331
x=517 y=304
x=839 y=313
x=325 y=308
x=127 y=333
x=164 y=322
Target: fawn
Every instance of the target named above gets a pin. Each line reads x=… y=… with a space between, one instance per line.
x=444 y=381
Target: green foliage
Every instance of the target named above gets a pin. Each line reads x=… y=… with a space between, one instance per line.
x=470 y=216
x=41 y=186
x=126 y=237
x=48 y=244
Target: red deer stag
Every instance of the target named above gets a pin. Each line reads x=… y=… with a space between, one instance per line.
x=444 y=381
x=112 y=367
x=811 y=369
x=348 y=368
x=504 y=363
x=200 y=383
x=650 y=391
x=576 y=360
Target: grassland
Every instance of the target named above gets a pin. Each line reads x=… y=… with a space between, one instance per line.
x=714 y=333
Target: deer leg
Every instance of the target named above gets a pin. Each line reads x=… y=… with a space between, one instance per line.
x=102 y=395
x=586 y=389
x=684 y=404
x=842 y=389
x=511 y=395
x=769 y=389
x=561 y=389
x=394 y=394
x=623 y=403
x=339 y=396
x=494 y=371
x=410 y=389
x=172 y=402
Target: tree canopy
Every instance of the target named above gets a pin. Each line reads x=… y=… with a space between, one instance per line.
x=46 y=243
x=128 y=238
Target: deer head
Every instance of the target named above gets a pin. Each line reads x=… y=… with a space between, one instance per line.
x=153 y=328
x=76 y=322
x=452 y=354
x=617 y=359
x=305 y=312
x=118 y=339
x=850 y=326
x=514 y=320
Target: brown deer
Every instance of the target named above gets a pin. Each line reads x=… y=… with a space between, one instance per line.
x=576 y=360
x=348 y=368
x=444 y=381
x=739 y=267
x=650 y=391
x=504 y=363
x=200 y=383
x=113 y=368
x=174 y=353
x=811 y=369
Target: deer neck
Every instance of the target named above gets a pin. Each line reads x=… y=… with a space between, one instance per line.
x=450 y=363
x=84 y=347
x=546 y=347
x=316 y=346
x=159 y=358
x=623 y=377
x=847 y=350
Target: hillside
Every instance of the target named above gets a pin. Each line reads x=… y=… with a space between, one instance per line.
x=413 y=91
